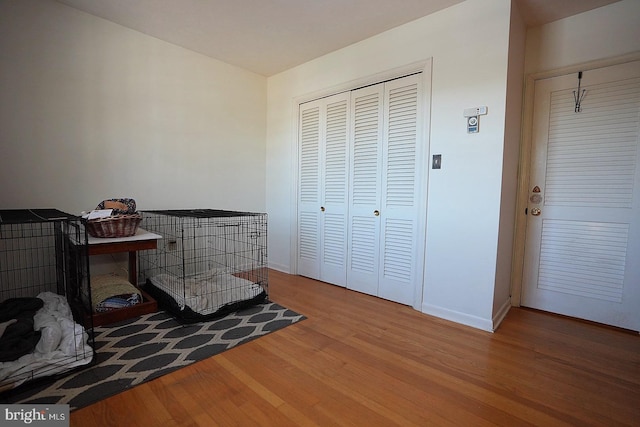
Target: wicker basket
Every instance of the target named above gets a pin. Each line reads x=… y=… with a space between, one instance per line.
x=114 y=226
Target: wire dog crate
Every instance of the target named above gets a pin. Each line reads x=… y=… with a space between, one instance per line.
x=208 y=262
x=45 y=296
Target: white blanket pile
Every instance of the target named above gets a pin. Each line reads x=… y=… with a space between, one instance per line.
x=63 y=345
x=205 y=293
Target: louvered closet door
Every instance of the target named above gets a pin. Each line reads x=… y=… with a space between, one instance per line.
x=366 y=187
x=399 y=242
x=583 y=229
x=323 y=187
x=383 y=210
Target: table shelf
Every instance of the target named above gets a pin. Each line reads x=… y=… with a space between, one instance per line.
x=142 y=240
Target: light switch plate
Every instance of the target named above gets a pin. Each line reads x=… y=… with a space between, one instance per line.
x=437 y=161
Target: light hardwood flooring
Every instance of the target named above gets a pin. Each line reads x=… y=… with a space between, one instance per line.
x=362 y=361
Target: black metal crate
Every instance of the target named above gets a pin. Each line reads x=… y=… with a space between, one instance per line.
x=208 y=262
x=45 y=296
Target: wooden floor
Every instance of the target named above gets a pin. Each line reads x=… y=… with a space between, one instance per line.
x=362 y=361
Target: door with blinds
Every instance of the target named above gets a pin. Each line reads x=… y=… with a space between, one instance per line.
x=384 y=257
x=583 y=225
x=323 y=191
x=359 y=212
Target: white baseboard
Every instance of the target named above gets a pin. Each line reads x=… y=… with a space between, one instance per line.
x=280 y=267
x=500 y=315
x=456 y=316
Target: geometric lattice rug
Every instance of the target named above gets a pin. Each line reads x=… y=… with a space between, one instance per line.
x=138 y=350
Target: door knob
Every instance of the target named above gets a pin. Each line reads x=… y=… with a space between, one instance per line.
x=376 y=212
x=322 y=208
x=535 y=211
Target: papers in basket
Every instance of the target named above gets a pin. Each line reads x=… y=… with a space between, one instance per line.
x=97 y=213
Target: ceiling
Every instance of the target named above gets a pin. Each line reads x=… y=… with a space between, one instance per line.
x=270 y=36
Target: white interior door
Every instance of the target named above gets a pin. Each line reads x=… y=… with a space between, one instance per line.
x=309 y=190
x=334 y=191
x=365 y=184
x=323 y=190
x=384 y=256
x=583 y=226
x=399 y=213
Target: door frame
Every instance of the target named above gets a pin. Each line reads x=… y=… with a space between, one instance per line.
x=424 y=67
x=524 y=164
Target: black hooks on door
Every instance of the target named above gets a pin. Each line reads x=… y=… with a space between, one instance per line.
x=577 y=95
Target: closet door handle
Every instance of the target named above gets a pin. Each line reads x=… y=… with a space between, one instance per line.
x=321 y=208
x=376 y=212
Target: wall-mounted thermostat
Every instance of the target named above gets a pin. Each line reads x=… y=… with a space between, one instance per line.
x=472 y=124
x=473 y=118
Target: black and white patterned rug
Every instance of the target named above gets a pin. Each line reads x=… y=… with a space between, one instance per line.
x=141 y=349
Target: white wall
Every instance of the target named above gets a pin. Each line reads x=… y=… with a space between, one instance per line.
x=91 y=110
x=515 y=83
x=606 y=32
x=465 y=195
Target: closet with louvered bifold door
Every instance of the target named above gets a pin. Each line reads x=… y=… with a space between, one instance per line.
x=360 y=219
x=323 y=189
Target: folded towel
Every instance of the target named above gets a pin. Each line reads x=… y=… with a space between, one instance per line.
x=109 y=292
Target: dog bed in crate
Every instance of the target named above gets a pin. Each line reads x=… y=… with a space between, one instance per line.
x=210 y=294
